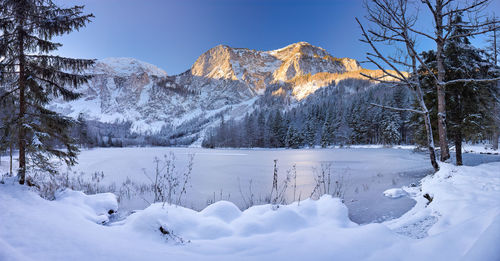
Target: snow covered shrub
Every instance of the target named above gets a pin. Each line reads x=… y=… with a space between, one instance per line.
x=279 y=191
x=278 y=195
x=169 y=184
x=249 y=200
x=130 y=189
x=48 y=184
x=327 y=184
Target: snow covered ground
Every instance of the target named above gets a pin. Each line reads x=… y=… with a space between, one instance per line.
x=461 y=223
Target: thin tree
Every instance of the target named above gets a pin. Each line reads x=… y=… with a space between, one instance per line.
x=27 y=28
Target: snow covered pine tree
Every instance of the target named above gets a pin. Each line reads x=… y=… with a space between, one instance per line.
x=27 y=27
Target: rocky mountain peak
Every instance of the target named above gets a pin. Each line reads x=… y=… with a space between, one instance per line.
x=298 y=49
x=281 y=65
x=214 y=63
x=302 y=58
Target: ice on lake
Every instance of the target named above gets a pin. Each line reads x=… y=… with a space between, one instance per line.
x=226 y=174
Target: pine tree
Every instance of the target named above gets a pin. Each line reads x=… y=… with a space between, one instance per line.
x=28 y=27
x=278 y=130
x=390 y=127
x=293 y=138
x=309 y=134
x=328 y=132
x=261 y=127
x=249 y=139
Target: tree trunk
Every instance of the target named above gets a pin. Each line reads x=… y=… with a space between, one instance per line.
x=441 y=98
x=427 y=120
x=458 y=146
x=22 y=112
x=495 y=57
x=10 y=155
x=495 y=138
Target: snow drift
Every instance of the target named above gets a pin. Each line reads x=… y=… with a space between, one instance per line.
x=461 y=223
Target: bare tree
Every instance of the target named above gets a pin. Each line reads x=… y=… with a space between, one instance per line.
x=395 y=22
x=393 y=25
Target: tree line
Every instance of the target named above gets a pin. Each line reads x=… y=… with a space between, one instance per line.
x=331 y=116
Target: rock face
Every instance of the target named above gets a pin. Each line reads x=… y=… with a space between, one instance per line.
x=223 y=80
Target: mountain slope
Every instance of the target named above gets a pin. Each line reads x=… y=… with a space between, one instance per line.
x=222 y=81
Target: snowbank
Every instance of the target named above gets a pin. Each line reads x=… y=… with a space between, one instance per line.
x=461 y=223
x=380 y=146
x=395 y=193
x=478 y=148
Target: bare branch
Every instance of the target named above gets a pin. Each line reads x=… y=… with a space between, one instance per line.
x=377 y=79
x=379 y=55
x=422 y=33
x=397 y=109
x=470 y=8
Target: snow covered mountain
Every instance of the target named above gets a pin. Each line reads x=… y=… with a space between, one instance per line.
x=223 y=80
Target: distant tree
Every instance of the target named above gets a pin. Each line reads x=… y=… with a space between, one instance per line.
x=328 y=131
x=390 y=128
x=261 y=130
x=278 y=130
x=293 y=138
x=309 y=134
x=27 y=28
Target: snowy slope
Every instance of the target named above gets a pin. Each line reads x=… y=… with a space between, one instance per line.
x=461 y=223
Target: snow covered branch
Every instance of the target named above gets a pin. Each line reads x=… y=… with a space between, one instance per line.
x=470 y=80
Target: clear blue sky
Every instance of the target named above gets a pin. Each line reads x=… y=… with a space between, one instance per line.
x=173 y=33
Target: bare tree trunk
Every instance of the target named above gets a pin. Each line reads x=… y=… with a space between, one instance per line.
x=430 y=142
x=441 y=95
x=10 y=156
x=495 y=138
x=496 y=133
x=458 y=147
x=427 y=122
x=22 y=112
x=390 y=16
x=420 y=98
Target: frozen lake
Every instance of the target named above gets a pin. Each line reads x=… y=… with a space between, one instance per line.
x=219 y=173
